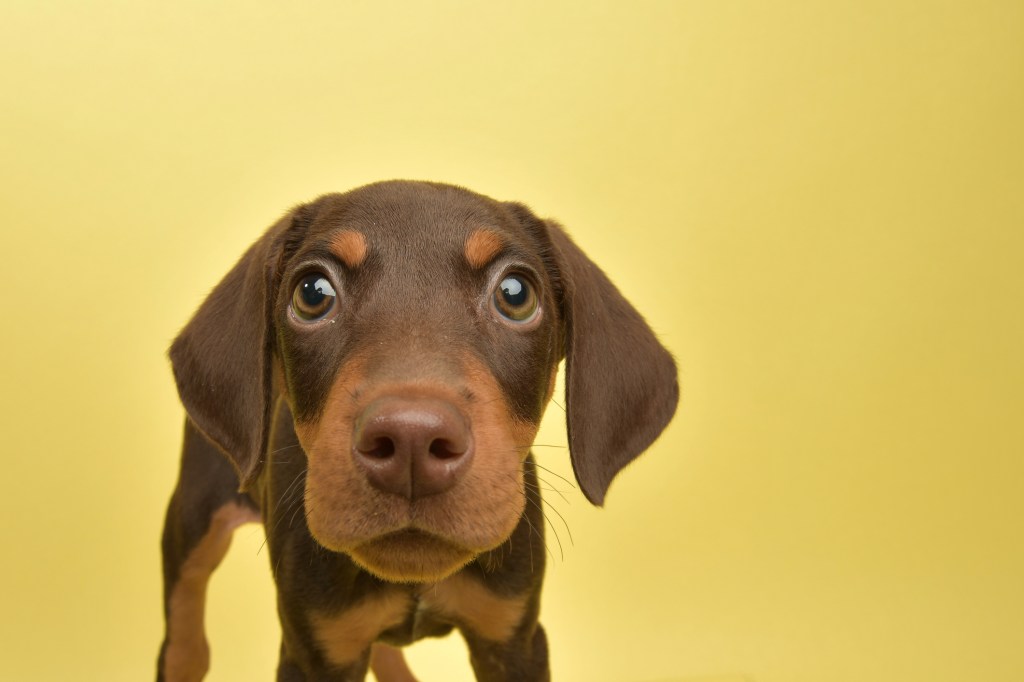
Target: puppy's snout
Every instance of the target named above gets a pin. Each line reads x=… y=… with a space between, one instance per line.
x=412 y=447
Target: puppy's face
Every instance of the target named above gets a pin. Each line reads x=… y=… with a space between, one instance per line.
x=417 y=334
x=415 y=330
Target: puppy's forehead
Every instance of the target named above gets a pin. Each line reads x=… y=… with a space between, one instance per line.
x=415 y=223
x=409 y=218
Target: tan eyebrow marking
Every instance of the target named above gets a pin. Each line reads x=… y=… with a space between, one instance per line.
x=350 y=246
x=481 y=246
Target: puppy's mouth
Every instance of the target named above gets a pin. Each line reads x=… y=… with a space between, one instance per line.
x=424 y=540
x=411 y=556
x=414 y=482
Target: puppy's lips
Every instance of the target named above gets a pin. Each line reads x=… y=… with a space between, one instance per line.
x=411 y=555
x=340 y=527
x=411 y=538
x=398 y=527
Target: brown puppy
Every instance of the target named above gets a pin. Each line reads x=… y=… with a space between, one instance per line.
x=375 y=369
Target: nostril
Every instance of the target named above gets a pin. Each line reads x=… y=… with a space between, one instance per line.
x=412 y=447
x=381 y=448
x=442 y=448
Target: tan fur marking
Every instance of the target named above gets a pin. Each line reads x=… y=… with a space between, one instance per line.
x=481 y=246
x=388 y=663
x=473 y=605
x=345 y=636
x=495 y=429
x=187 y=658
x=350 y=246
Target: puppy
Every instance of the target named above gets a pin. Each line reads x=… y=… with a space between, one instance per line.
x=367 y=382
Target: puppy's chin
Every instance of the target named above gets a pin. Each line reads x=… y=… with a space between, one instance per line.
x=410 y=556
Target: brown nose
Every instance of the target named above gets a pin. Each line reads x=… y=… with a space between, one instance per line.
x=412 y=447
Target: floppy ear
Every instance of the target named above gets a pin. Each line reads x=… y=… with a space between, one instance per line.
x=621 y=387
x=222 y=358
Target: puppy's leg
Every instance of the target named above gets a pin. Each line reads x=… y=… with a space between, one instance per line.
x=521 y=659
x=204 y=510
x=289 y=670
x=388 y=664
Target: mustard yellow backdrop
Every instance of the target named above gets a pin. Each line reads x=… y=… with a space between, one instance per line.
x=818 y=205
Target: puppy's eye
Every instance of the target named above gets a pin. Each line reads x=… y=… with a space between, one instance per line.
x=313 y=297
x=515 y=299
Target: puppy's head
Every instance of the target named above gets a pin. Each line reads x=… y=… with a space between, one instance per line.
x=415 y=330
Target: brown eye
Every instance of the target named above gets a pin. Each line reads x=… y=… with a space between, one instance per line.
x=313 y=298
x=515 y=299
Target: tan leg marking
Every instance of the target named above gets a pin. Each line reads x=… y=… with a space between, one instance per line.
x=187 y=657
x=350 y=246
x=481 y=246
x=469 y=603
x=343 y=637
x=388 y=664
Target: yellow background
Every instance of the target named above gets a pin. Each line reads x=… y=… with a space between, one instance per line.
x=818 y=205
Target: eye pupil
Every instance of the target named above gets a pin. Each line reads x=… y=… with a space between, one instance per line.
x=513 y=291
x=313 y=291
x=313 y=298
x=515 y=299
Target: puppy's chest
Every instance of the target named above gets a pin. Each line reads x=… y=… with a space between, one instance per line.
x=402 y=615
x=423 y=617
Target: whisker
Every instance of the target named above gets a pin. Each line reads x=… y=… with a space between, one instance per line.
x=294 y=512
x=554 y=530
x=256 y=528
x=564 y=522
x=539 y=536
x=555 y=474
x=286 y=447
x=293 y=484
x=285 y=501
x=548 y=486
x=554 y=509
